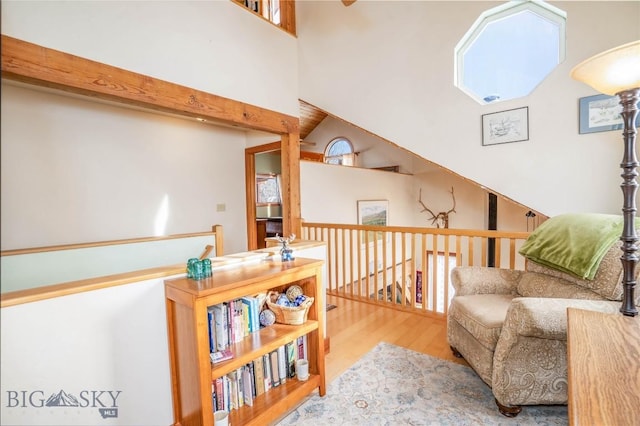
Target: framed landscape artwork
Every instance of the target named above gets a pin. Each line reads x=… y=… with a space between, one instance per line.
x=601 y=113
x=505 y=126
x=373 y=213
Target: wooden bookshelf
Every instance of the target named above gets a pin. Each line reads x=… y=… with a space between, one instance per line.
x=192 y=372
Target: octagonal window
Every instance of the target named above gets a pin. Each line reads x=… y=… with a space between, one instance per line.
x=509 y=50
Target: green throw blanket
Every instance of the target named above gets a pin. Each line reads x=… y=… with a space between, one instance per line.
x=573 y=243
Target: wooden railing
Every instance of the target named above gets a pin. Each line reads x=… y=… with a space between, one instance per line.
x=395 y=266
x=33 y=274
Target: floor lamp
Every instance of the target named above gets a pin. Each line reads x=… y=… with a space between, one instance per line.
x=617 y=72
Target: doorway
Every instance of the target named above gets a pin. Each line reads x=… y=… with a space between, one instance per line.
x=264 y=215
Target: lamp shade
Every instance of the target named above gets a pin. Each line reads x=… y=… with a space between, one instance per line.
x=612 y=71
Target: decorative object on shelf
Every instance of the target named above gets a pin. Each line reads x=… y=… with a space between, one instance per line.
x=286 y=253
x=505 y=126
x=299 y=300
x=288 y=314
x=600 y=113
x=191 y=267
x=293 y=292
x=206 y=267
x=617 y=72
x=302 y=369
x=267 y=318
x=221 y=418
x=198 y=269
x=441 y=218
x=283 y=300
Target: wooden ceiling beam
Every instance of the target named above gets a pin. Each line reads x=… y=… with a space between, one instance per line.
x=33 y=64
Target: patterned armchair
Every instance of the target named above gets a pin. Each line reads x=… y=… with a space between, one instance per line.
x=511 y=327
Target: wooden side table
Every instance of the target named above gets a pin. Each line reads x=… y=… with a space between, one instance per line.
x=604 y=368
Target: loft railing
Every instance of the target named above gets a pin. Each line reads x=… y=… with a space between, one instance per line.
x=406 y=267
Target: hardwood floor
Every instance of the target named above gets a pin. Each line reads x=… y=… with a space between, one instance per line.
x=356 y=327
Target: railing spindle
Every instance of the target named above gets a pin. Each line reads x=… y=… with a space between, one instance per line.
x=353 y=257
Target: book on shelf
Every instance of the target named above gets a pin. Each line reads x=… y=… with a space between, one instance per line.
x=258 y=371
x=302 y=347
x=290 y=349
x=233 y=390
x=212 y=329
x=253 y=303
x=238 y=318
x=246 y=321
x=220 y=356
x=282 y=364
x=240 y=394
x=221 y=328
x=267 y=372
x=214 y=397
x=219 y=386
x=275 y=375
x=231 y=320
x=227 y=392
x=247 y=391
x=252 y=375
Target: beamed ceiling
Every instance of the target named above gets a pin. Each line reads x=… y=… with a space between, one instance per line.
x=310 y=117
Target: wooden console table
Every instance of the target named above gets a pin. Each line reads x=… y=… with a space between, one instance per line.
x=603 y=368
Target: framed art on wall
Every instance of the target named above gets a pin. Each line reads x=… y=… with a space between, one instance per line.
x=505 y=126
x=267 y=189
x=601 y=113
x=373 y=212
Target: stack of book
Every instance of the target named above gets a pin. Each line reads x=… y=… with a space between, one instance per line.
x=232 y=321
x=242 y=386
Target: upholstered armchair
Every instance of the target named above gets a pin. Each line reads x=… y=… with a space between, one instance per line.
x=510 y=325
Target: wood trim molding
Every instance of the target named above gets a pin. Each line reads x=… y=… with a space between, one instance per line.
x=290 y=159
x=90 y=284
x=215 y=230
x=33 y=64
x=288 y=12
x=250 y=193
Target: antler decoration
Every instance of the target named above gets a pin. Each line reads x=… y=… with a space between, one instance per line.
x=285 y=241
x=442 y=217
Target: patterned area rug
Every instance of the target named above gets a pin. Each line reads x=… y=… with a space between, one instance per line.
x=391 y=385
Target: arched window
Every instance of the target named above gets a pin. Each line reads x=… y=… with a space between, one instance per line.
x=509 y=50
x=339 y=151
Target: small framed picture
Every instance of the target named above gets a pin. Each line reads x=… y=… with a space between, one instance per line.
x=505 y=126
x=600 y=113
x=373 y=212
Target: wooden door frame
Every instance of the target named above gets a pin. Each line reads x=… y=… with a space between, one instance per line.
x=250 y=182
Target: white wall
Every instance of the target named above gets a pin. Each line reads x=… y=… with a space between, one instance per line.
x=110 y=340
x=212 y=46
x=387 y=66
x=329 y=193
x=435 y=182
x=77 y=171
x=373 y=151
